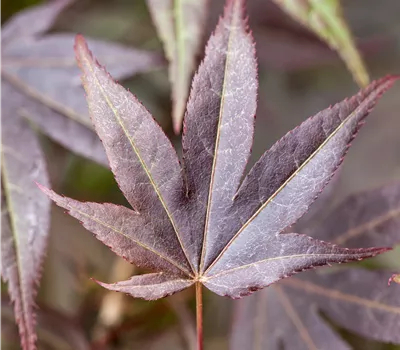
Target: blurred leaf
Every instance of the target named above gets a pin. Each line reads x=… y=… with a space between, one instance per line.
x=25 y=214
x=288 y=312
x=356 y=299
x=364 y=219
x=180 y=25
x=40 y=19
x=324 y=17
x=273 y=317
x=55 y=330
x=42 y=67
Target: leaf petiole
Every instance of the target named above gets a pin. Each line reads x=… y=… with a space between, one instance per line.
x=199 y=315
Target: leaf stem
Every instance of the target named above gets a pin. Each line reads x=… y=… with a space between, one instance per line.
x=199 y=315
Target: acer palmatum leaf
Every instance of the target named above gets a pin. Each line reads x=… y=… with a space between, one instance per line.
x=355 y=299
x=180 y=26
x=194 y=224
x=42 y=68
x=25 y=213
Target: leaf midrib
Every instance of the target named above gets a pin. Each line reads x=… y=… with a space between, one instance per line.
x=217 y=140
x=20 y=289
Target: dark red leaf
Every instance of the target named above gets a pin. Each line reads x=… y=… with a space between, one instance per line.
x=197 y=223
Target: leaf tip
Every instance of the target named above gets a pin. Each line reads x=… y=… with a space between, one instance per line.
x=394 y=278
x=44 y=189
x=81 y=49
x=102 y=284
x=80 y=42
x=371 y=252
x=177 y=125
x=50 y=193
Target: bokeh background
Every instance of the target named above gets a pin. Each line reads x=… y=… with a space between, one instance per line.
x=298 y=75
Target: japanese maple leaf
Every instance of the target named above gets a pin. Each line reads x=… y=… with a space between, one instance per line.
x=199 y=223
x=354 y=298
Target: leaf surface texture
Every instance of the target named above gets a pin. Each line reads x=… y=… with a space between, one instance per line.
x=199 y=222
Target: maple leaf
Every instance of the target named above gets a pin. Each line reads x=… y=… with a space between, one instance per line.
x=200 y=224
x=180 y=25
x=354 y=298
x=25 y=213
x=42 y=68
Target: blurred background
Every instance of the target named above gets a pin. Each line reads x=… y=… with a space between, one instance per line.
x=298 y=75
